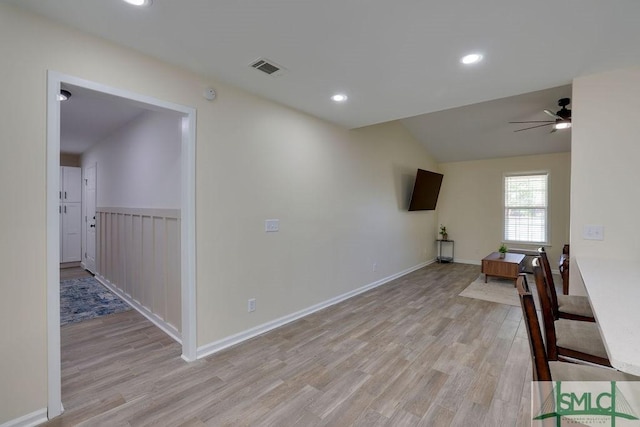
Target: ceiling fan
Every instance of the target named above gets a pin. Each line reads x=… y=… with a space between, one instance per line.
x=562 y=118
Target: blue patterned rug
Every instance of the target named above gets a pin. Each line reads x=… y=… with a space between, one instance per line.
x=84 y=299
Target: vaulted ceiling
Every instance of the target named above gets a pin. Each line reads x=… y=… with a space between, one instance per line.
x=394 y=59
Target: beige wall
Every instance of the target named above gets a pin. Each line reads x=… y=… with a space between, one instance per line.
x=340 y=196
x=471 y=202
x=605 y=173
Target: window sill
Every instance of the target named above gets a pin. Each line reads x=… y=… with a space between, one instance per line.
x=536 y=244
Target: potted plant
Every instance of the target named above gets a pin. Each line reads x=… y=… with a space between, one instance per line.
x=503 y=250
x=443 y=232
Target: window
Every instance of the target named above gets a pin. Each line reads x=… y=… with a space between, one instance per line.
x=525 y=208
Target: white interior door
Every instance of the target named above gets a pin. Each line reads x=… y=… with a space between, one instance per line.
x=71 y=235
x=90 y=176
x=71 y=192
x=70 y=214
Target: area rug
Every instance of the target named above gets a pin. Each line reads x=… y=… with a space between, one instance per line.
x=86 y=298
x=498 y=290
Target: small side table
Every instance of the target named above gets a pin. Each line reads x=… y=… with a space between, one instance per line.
x=508 y=267
x=441 y=258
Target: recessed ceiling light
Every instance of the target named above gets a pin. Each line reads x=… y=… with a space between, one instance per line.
x=339 y=97
x=140 y=3
x=472 y=58
x=64 y=95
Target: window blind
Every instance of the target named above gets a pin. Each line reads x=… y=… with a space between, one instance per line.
x=525 y=208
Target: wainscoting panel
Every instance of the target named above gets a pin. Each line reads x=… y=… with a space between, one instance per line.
x=173 y=271
x=138 y=256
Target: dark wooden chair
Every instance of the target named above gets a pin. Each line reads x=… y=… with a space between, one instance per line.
x=567 y=338
x=563 y=266
x=574 y=307
x=545 y=370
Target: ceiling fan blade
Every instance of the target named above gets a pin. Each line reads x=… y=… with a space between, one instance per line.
x=536 y=121
x=552 y=114
x=533 y=127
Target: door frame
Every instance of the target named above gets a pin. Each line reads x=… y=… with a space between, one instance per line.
x=188 y=223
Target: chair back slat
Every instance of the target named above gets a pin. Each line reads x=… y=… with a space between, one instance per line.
x=548 y=278
x=541 y=371
x=548 y=317
x=564 y=269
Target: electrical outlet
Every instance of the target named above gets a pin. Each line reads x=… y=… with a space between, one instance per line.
x=251 y=305
x=375 y=267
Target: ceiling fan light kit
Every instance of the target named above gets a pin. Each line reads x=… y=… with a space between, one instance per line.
x=139 y=3
x=562 y=118
x=472 y=58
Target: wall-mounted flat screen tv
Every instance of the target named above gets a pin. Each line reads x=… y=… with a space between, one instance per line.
x=425 y=191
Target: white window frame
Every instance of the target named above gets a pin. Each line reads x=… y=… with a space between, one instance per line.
x=547 y=207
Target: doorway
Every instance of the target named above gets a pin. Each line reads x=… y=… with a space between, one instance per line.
x=187 y=225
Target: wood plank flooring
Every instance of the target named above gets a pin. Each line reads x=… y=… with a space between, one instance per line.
x=409 y=353
x=68 y=272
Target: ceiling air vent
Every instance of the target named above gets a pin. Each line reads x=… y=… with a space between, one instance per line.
x=267 y=66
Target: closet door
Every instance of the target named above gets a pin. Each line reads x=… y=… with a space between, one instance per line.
x=70 y=214
x=71 y=184
x=71 y=232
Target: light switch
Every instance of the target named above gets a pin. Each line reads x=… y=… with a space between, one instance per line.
x=593 y=232
x=271 y=225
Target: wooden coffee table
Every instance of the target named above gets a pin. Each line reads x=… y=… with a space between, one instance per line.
x=508 y=267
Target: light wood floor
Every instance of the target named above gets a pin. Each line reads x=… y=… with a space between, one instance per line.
x=411 y=352
x=72 y=271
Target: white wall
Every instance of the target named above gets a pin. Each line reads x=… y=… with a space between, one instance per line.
x=471 y=201
x=340 y=196
x=139 y=164
x=605 y=174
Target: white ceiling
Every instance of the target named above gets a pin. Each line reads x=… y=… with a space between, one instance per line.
x=89 y=117
x=394 y=59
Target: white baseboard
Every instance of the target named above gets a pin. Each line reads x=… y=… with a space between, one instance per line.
x=160 y=323
x=229 y=341
x=84 y=267
x=33 y=419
